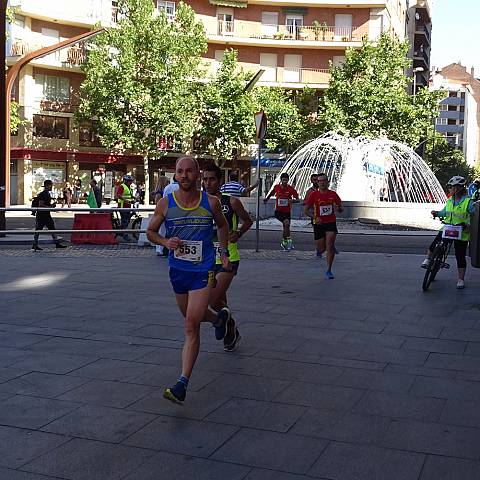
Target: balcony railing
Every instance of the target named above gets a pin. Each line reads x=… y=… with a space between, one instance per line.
x=319 y=33
x=72 y=57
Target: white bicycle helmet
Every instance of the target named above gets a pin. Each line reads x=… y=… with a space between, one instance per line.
x=456 y=181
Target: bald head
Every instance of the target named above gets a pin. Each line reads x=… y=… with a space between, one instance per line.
x=187 y=161
x=187 y=172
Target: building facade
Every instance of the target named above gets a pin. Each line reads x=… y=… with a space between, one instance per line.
x=459 y=115
x=293 y=42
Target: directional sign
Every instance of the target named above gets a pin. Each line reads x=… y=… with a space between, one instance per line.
x=261 y=125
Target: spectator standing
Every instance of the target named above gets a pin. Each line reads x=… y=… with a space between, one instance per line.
x=125 y=200
x=96 y=192
x=235 y=188
x=44 y=219
x=77 y=189
x=67 y=195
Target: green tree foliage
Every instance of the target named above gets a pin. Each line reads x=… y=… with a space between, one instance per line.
x=138 y=83
x=15 y=120
x=226 y=121
x=368 y=95
x=446 y=161
x=285 y=123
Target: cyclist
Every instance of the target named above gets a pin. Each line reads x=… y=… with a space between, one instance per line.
x=125 y=200
x=457 y=212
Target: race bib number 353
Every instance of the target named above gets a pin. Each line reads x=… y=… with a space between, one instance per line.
x=189 y=250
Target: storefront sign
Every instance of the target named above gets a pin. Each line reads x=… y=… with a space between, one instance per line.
x=108 y=186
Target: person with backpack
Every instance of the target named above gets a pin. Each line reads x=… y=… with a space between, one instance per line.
x=44 y=219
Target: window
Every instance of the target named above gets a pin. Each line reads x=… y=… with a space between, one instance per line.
x=443 y=107
x=88 y=135
x=168 y=8
x=452 y=121
x=462 y=108
x=225 y=21
x=441 y=121
x=452 y=94
x=50 y=127
x=452 y=108
x=462 y=95
x=51 y=88
x=268 y=61
x=461 y=121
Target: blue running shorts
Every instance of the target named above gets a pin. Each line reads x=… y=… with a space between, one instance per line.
x=183 y=281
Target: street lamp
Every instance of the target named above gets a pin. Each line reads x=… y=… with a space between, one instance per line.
x=415 y=71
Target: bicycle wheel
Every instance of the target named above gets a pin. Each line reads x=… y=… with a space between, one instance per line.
x=136 y=224
x=433 y=268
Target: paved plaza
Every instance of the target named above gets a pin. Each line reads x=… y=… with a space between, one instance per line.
x=363 y=377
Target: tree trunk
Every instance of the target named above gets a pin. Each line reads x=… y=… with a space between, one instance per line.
x=147 y=180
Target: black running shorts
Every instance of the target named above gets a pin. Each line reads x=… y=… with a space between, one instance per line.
x=282 y=216
x=319 y=230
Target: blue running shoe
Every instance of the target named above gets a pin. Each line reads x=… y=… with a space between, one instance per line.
x=329 y=275
x=223 y=316
x=176 y=394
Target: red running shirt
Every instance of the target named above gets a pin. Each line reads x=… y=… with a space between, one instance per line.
x=323 y=206
x=283 y=195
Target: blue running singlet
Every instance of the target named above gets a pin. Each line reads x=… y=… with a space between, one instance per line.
x=194 y=226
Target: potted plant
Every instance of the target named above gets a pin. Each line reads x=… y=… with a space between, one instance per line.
x=317 y=28
x=324 y=28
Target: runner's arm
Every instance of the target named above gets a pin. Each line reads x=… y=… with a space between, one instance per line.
x=155 y=224
x=339 y=205
x=222 y=229
x=243 y=215
x=308 y=210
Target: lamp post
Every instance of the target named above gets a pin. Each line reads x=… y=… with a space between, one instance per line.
x=415 y=71
x=5 y=92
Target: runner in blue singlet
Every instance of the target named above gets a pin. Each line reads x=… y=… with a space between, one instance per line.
x=189 y=216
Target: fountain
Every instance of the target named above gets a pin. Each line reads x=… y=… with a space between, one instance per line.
x=365 y=170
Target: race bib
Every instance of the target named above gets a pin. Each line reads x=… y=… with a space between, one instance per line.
x=325 y=210
x=189 y=250
x=282 y=202
x=453 y=232
x=216 y=246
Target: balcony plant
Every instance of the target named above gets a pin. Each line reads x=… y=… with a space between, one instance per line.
x=319 y=28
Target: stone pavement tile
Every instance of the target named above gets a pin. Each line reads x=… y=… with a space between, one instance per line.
x=261 y=474
x=434 y=345
x=252 y=345
x=409 y=330
x=236 y=363
x=19 y=340
x=247 y=386
x=473 y=348
x=435 y=309
x=327 y=397
x=7 y=373
x=182 y=467
x=462 y=412
x=197 y=405
x=358 y=326
x=420 y=371
x=380 y=339
x=87 y=347
x=461 y=334
x=53 y=332
x=108 y=394
x=9 y=356
x=447 y=468
x=115 y=370
x=384 y=381
x=466 y=363
x=446 y=388
x=43 y=384
x=159 y=376
x=50 y=362
x=7 y=474
x=451 y=321
x=322 y=334
x=89 y=460
x=131 y=340
x=19 y=446
x=434 y=438
x=310 y=315
x=271 y=416
x=160 y=331
x=31 y=412
x=182 y=435
x=87 y=324
x=162 y=356
x=342 y=427
x=100 y=423
x=276 y=451
x=395 y=405
x=353 y=462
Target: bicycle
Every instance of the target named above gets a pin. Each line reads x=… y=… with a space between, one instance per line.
x=438 y=261
x=136 y=220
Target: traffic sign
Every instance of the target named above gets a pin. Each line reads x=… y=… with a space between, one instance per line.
x=261 y=125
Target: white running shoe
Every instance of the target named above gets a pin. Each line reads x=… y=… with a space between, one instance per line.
x=460 y=284
x=426 y=263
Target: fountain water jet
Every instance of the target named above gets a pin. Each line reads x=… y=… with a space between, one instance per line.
x=364 y=170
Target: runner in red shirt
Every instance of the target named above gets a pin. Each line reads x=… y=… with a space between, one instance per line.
x=285 y=196
x=321 y=206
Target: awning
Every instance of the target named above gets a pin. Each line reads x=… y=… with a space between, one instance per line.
x=229 y=3
x=295 y=11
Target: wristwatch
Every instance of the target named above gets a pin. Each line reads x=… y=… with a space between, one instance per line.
x=223 y=251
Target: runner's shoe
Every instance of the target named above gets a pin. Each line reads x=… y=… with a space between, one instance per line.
x=290 y=245
x=329 y=275
x=223 y=316
x=426 y=263
x=176 y=394
x=319 y=254
x=284 y=245
x=461 y=284
x=231 y=347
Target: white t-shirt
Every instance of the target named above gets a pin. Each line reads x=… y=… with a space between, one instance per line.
x=170 y=188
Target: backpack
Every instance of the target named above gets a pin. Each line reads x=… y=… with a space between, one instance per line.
x=35 y=204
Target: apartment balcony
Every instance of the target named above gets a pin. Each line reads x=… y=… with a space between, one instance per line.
x=85 y=13
x=66 y=58
x=241 y=32
x=422 y=29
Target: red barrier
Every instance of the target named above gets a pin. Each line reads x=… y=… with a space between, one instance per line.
x=93 y=221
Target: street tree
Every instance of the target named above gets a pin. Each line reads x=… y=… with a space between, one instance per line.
x=140 y=84
x=368 y=95
x=15 y=120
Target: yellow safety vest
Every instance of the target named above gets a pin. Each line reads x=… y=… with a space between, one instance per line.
x=127 y=194
x=457 y=214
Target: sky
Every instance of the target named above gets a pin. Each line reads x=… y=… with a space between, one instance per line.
x=455 y=33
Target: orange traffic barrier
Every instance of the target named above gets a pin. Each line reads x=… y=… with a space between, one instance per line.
x=97 y=221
